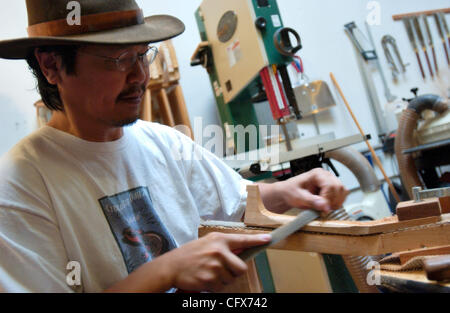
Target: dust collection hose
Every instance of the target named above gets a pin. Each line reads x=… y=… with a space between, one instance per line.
x=364 y=173
x=356 y=265
x=358 y=165
x=404 y=139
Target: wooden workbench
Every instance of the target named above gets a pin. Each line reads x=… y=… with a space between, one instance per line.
x=414 y=237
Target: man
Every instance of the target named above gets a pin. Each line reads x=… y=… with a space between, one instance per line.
x=110 y=193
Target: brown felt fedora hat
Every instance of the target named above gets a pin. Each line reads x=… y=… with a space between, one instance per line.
x=109 y=22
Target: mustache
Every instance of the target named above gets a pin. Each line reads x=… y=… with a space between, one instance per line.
x=132 y=91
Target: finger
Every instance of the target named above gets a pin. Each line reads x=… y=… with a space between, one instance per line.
x=222 y=275
x=235 y=265
x=308 y=200
x=341 y=198
x=330 y=187
x=238 y=241
x=333 y=194
x=227 y=276
x=324 y=179
x=215 y=276
x=238 y=251
x=320 y=177
x=336 y=195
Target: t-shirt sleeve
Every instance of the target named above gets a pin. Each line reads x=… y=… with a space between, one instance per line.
x=219 y=191
x=32 y=257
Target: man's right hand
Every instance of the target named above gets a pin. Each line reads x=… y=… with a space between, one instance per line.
x=206 y=264
x=209 y=264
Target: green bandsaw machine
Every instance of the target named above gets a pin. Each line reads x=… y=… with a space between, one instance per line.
x=246 y=50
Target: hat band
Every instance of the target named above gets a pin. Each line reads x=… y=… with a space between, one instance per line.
x=89 y=23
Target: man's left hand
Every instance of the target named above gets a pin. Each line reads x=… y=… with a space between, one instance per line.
x=317 y=189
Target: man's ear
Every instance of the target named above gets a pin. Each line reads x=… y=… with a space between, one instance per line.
x=50 y=64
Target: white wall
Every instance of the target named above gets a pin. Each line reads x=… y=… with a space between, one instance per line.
x=326 y=49
x=17 y=94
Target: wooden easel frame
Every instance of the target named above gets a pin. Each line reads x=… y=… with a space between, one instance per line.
x=164 y=99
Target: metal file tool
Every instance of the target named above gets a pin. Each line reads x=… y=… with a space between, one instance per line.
x=282 y=232
x=444 y=24
x=387 y=92
x=430 y=41
x=440 y=27
x=419 y=33
x=412 y=40
x=368 y=55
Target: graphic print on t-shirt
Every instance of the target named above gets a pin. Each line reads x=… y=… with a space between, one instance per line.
x=136 y=226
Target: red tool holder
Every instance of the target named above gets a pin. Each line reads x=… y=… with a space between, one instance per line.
x=278 y=104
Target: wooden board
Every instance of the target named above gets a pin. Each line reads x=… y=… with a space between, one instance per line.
x=164 y=71
x=408 y=255
x=409 y=210
x=438 y=268
x=298 y=272
x=432 y=235
x=257 y=215
x=164 y=107
x=445 y=204
x=399 y=17
x=179 y=110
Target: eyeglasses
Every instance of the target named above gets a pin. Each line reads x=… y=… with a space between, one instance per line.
x=128 y=59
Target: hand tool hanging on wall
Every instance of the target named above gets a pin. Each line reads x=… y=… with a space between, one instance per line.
x=387 y=41
x=430 y=42
x=444 y=24
x=361 y=43
x=368 y=53
x=387 y=92
x=419 y=33
x=412 y=40
x=440 y=28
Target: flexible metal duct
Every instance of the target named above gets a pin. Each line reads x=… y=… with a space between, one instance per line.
x=405 y=140
x=356 y=265
x=364 y=173
x=358 y=165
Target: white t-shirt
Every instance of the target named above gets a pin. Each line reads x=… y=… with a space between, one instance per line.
x=109 y=206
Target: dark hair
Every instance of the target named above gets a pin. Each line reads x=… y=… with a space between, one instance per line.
x=49 y=93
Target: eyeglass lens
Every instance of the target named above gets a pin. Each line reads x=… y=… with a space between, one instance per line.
x=129 y=59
